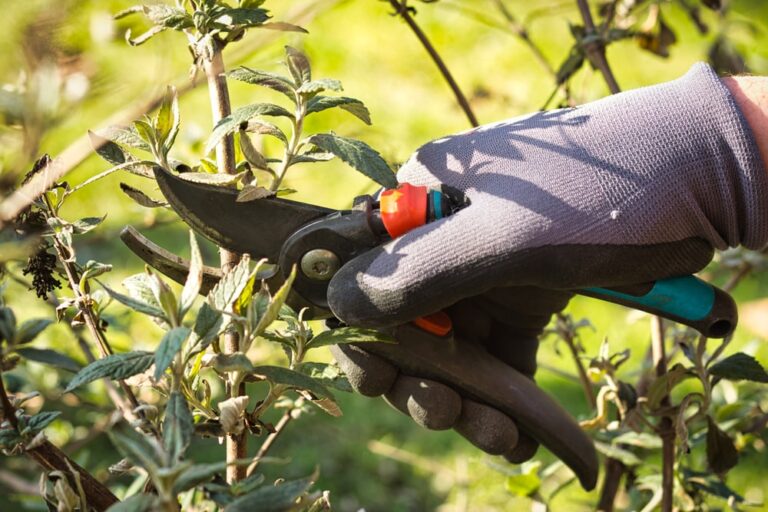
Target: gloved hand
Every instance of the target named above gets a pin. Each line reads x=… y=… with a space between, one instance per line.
x=633 y=188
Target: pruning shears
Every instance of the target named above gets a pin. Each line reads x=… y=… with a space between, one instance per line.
x=318 y=241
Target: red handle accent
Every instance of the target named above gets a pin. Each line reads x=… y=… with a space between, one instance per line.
x=403 y=208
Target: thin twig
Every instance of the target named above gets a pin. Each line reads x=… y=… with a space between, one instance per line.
x=521 y=32
x=586 y=385
x=401 y=9
x=236 y=444
x=666 y=430
x=596 y=49
x=269 y=441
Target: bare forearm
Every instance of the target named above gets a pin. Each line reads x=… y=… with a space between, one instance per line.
x=751 y=94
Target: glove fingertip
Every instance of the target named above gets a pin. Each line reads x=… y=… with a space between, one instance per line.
x=430 y=404
x=487 y=428
x=367 y=373
x=523 y=451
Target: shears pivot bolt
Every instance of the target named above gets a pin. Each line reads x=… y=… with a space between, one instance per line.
x=320 y=264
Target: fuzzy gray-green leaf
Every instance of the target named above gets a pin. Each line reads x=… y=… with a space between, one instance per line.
x=169 y=347
x=240 y=116
x=272 y=498
x=50 y=357
x=351 y=105
x=298 y=65
x=350 y=335
x=265 y=79
x=142 y=502
x=30 y=329
x=294 y=379
x=140 y=197
x=114 y=366
x=178 y=426
x=357 y=154
x=739 y=366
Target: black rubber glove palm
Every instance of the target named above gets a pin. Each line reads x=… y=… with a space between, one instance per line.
x=506 y=322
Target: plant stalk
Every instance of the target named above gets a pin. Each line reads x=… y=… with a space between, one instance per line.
x=596 y=49
x=401 y=9
x=236 y=445
x=666 y=430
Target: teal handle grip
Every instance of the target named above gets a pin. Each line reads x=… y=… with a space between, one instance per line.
x=687 y=300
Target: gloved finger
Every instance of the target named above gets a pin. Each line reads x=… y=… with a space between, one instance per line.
x=368 y=374
x=429 y=403
x=524 y=450
x=487 y=428
x=409 y=277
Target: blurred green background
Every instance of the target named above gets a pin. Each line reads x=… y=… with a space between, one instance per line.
x=371 y=457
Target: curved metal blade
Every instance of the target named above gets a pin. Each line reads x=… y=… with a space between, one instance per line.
x=258 y=227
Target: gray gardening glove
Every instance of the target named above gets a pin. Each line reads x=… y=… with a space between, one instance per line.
x=629 y=189
x=633 y=188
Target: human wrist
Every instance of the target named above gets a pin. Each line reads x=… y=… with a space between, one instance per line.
x=751 y=96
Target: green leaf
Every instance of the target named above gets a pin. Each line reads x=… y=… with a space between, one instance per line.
x=207 y=178
x=167 y=16
x=196 y=475
x=625 y=456
x=9 y=438
x=262 y=127
x=169 y=347
x=140 y=449
x=108 y=150
x=310 y=89
x=178 y=426
x=293 y=379
x=252 y=155
x=664 y=384
x=141 y=287
x=251 y=193
x=230 y=286
x=570 y=65
x=349 y=335
x=137 y=503
x=639 y=439
x=739 y=366
x=275 y=305
x=51 y=357
x=167 y=120
x=7 y=324
x=207 y=325
x=41 y=420
x=30 y=329
x=241 y=116
x=236 y=362
x=329 y=375
x=284 y=27
x=526 y=482
x=143 y=38
x=136 y=305
x=263 y=78
x=721 y=452
x=114 y=366
x=126 y=137
x=243 y=17
x=357 y=154
x=351 y=105
x=140 y=197
x=86 y=224
x=298 y=65
x=276 y=498
x=194 y=278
